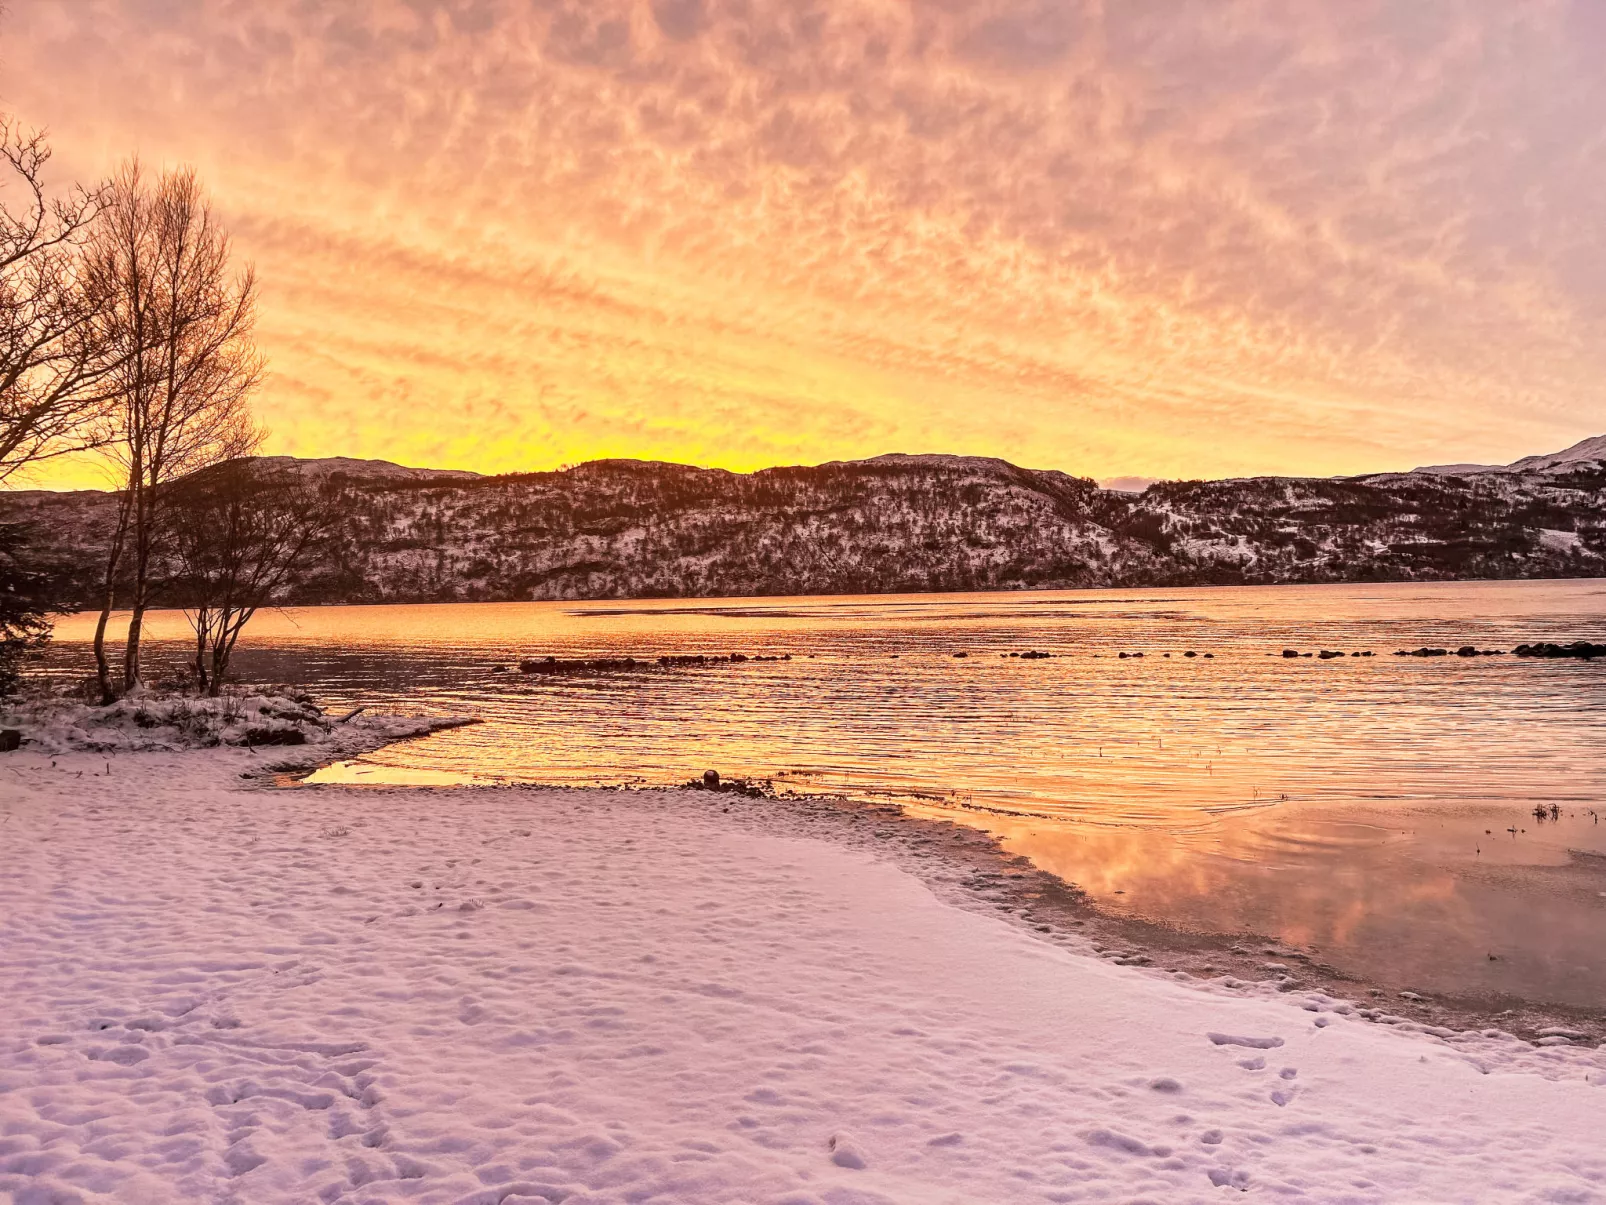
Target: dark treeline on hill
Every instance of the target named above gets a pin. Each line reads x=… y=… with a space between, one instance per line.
x=632 y=529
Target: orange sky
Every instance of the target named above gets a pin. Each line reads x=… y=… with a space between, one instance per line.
x=1109 y=236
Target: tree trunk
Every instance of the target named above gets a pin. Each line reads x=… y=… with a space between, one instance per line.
x=203 y=683
x=220 y=665
x=223 y=648
x=131 y=653
x=142 y=568
x=103 y=669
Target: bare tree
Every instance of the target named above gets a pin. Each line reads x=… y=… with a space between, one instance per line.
x=241 y=536
x=177 y=325
x=53 y=369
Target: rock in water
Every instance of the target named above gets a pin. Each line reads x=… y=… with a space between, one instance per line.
x=1582 y=649
x=711 y=779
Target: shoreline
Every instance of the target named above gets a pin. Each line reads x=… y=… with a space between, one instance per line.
x=996 y=882
x=1011 y=886
x=990 y=880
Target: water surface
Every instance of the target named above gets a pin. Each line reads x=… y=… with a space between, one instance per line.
x=1380 y=810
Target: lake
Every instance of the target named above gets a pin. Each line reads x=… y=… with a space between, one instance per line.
x=1378 y=809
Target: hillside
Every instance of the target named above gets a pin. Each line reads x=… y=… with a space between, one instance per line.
x=620 y=528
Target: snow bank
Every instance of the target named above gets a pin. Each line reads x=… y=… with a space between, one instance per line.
x=148 y=722
x=220 y=991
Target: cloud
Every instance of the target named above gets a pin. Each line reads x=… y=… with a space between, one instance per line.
x=1028 y=37
x=1177 y=239
x=679 y=19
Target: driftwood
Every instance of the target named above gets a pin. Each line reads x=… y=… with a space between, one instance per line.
x=352 y=714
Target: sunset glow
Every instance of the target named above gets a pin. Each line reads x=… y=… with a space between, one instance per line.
x=1111 y=238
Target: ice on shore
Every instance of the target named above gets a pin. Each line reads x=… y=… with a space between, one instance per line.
x=216 y=991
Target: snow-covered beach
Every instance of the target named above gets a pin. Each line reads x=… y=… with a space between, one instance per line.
x=218 y=990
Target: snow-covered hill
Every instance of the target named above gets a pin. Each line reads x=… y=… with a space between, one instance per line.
x=623 y=528
x=364 y=470
x=1582 y=454
x=1585 y=451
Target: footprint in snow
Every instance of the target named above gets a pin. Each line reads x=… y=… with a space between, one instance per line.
x=846 y=1153
x=1125 y=1143
x=1228 y=1039
x=1221 y=1177
x=125 y=1056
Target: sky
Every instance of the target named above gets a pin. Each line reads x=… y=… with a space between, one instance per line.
x=1122 y=238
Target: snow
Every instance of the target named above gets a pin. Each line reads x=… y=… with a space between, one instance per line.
x=1585 y=451
x=329 y=466
x=147 y=720
x=1582 y=452
x=1559 y=541
x=988 y=465
x=1444 y=470
x=222 y=991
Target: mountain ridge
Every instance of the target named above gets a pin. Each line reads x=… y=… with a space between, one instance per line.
x=1582 y=452
x=893 y=523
